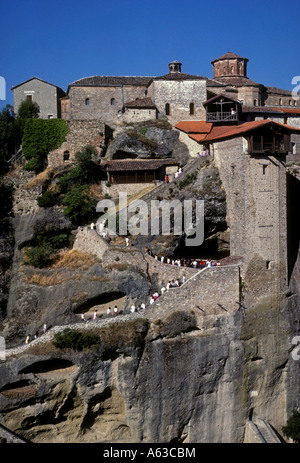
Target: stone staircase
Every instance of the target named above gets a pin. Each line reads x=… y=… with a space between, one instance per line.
x=264 y=431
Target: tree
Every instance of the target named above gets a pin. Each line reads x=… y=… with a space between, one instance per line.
x=292 y=428
x=80 y=207
x=28 y=110
x=10 y=137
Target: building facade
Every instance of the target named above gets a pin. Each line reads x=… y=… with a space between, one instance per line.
x=47 y=97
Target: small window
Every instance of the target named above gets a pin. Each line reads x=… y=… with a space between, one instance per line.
x=112 y=101
x=264 y=169
x=167 y=109
x=29 y=97
x=268 y=264
x=280 y=101
x=255 y=102
x=50 y=116
x=192 y=109
x=66 y=156
x=87 y=102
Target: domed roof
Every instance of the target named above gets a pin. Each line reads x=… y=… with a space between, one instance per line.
x=230 y=55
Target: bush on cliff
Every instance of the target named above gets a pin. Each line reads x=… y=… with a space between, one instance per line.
x=80 y=207
x=38 y=256
x=40 y=137
x=76 y=340
x=47 y=199
x=292 y=427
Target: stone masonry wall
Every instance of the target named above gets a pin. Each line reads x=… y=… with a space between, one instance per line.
x=256 y=205
x=179 y=95
x=211 y=291
x=89 y=242
x=105 y=102
x=81 y=133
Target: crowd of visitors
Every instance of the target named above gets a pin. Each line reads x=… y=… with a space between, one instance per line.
x=184 y=262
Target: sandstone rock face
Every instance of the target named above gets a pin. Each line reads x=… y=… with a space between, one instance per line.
x=156 y=143
x=191 y=368
x=156 y=381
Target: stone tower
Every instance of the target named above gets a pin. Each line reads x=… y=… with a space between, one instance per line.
x=175 y=66
x=230 y=65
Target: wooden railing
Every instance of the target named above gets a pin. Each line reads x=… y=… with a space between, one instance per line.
x=221 y=116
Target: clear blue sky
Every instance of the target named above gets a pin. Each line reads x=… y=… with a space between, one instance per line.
x=62 y=41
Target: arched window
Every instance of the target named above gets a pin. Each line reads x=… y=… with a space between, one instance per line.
x=192 y=109
x=112 y=101
x=167 y=109
x=87 y=102
x=66 y=156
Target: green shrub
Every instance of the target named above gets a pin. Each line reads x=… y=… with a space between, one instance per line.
x=40 y=137
x=188 y=179
x=292 y=428
x=34 y=164
x=80 y=207
x=76 y=340
x=47 y=199
x=60 y=241
x=38 y=256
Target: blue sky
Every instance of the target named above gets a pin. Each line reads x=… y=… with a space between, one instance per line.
x=62 y=41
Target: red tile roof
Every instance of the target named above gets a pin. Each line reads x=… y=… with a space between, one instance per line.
x=194 y=126
x=287 y=110
x=229 y=55
x=228 y=131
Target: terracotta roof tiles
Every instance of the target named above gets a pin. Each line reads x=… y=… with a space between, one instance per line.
x=138 y=164
x=228 y=131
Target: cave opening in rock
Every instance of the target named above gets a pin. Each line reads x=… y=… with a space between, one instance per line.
x=47 y=365
x=113 y=297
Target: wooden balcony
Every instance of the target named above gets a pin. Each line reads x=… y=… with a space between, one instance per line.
x=220 y=116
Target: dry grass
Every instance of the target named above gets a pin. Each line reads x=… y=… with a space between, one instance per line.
x=39 y=179
x=49 y=280
x=74 y=259
x=20 y=392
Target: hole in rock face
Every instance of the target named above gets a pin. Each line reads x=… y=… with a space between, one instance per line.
x=114 y=297
x=46 y=366
x=16 y=385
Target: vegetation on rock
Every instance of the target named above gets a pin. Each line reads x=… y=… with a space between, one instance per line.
x=292 y=427
x=40 y=137
x=76 y=340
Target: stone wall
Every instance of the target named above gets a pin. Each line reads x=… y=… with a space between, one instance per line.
x=256 y=205
x=102 y=102
x=89 y=242
x=179 y=95
x=211 y=291
x=81 y=133
x=139 y=115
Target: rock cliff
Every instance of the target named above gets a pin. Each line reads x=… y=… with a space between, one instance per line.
x=187 y=369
